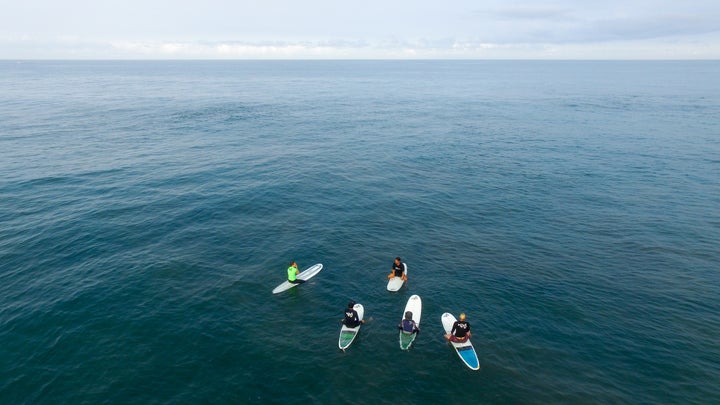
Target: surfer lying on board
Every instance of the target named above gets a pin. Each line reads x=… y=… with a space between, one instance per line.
x=460 y=331
x=292 y=274
x=398 y=269
x=352 y=320
x=408 y=325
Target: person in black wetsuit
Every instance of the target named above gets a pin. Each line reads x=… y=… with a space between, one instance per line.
x=460 y=331
x=398 y=269
x=352 y=319
x=407 y=325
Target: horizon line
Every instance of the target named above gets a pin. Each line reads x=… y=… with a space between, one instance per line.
x=354 y=59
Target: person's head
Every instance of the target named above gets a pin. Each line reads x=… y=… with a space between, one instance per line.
x=351 y=304
x=462 y=317
x=408 y=315
x=293 y=264
x=397 y=260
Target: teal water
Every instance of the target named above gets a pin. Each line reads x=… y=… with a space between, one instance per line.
x=147 y=210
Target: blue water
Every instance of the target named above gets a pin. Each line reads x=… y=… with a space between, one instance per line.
x=147 y=210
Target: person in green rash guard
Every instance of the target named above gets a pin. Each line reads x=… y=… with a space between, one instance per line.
x=292 y=274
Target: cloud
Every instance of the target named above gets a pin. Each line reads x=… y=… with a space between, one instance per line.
x=229 y=49
x=703 y=46
x=645 y=28
x=564 y=25
x=389 y=48
x=224 y=29
x=528 y=13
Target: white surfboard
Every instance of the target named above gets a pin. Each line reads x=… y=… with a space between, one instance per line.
x=348 y=335
x=395 y=283
x=465 y=350
x=306 y=274
x=413 y=305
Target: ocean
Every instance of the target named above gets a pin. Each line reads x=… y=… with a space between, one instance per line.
x=148 y=208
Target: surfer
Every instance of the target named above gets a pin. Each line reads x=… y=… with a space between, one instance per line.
x=352 y=319
x=460 y=331
x=398 y=269
x=292 y=274
x=407 y=325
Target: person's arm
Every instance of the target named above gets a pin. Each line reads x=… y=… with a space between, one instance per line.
x=358 y=321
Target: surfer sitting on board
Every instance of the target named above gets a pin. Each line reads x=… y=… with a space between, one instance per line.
x=408 y=325
x=292 y=274
x=460 y=331
x=398 y=269
x=352 y=319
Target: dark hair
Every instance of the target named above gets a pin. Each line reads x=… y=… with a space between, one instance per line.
x=351 y=304
x=398 y=259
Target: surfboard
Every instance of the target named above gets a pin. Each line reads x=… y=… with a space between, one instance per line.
x=413 y=305
x=465 y=350
x=348 y=335
x=395 y=283
x=306 y=274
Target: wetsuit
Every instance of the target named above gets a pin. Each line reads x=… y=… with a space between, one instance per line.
x=459 y=331
x=351 y=318
x=398 y=269
x=408 y=326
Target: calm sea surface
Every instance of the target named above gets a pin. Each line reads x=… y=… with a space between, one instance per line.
x=147 y=210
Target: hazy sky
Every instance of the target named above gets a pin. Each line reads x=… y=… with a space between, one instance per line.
x=396 y=29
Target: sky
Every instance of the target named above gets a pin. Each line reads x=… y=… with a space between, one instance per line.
x=368 y=29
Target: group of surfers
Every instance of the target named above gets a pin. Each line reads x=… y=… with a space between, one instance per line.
x=460 y=331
